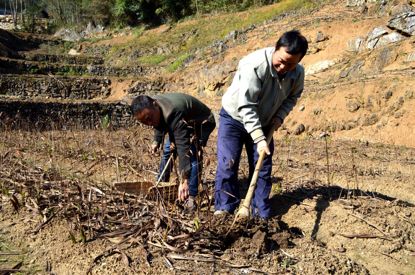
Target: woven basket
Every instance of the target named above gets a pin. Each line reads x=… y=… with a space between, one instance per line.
x=167 y=190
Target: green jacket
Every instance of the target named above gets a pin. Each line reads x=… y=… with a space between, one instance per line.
x=183 y=117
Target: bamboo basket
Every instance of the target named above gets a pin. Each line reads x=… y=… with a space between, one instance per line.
x=167 y=190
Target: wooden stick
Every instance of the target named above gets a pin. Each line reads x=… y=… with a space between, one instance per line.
x=164 y=170
x=372 y=225
x=243 y=211
x=363 y=236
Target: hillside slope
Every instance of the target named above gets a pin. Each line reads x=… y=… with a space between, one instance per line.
x=364 y=94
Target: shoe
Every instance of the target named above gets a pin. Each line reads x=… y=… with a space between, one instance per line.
x=221 y=213
x=190 y=204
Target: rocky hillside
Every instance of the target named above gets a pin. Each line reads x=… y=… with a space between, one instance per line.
x=360 y=70
x=360 y=65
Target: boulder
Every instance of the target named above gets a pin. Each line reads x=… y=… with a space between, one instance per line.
x=384 y=58
x=390 y=38
x=299 y=130
x=403 y=22
x=399 y=9
x=320 y=66
x=410 y=57
x=374 y=36
x=68 y=35
x=355 y=44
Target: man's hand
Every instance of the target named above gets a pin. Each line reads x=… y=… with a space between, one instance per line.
x=155 y=147
x=262 y=146
x=184 y=190
x=277 y=123
x=172 y=146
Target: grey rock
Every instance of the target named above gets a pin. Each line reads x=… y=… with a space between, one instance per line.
x=68 y=35
x=320 y=66
x=387 y=95
x=399 y=9
x=403 y=22
x=410 y=57
x=384 y=58
x=355 y=3
x=389 y=38
x=398 y=114
x=233 y=35
x=355 y=45
x=299 y=130
x=353 y=70
x=320 y=37
x=370 y=120
x=352 y=106
x=374 y=36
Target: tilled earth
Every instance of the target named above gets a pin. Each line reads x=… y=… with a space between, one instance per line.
x=339 y=207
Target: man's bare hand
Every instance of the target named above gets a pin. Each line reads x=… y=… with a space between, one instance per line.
x=184 y=190
x=154 y=147
x=278 y=123
x=262 y=146
x=172 y=146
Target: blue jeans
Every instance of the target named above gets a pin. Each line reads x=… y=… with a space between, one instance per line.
x=194 y=172
x=232 y=136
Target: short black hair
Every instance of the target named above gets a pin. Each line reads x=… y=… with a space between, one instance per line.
x=140 y=103
x=294 y=41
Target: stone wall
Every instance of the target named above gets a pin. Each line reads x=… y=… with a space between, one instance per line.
x=25 y=115
x=65 y=59
x=19 y=66
x=24 y=86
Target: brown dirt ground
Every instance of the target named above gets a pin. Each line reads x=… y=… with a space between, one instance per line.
x=356 y=218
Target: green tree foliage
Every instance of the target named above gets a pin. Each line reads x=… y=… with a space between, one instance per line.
x=153 y=12
x=127 y=12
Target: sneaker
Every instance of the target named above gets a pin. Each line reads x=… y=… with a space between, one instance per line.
x=190 y=204
x=220 y=213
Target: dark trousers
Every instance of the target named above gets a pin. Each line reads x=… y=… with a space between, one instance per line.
x=232 y=136
x=194 y=172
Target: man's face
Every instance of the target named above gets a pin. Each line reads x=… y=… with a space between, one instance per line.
x=284 y=62
x=149 y=116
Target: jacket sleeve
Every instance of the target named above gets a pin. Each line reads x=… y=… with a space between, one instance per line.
x=207 y=127
x=182 y=134
x=248 y=97
x=158 y=136
x=289 y=103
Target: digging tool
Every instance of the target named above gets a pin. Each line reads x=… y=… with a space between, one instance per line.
x=243 y=212
x=164 y=170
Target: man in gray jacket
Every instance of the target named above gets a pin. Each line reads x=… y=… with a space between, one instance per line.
x=264 y=90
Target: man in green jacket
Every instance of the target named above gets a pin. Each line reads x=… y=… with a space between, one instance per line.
x=188 y=123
